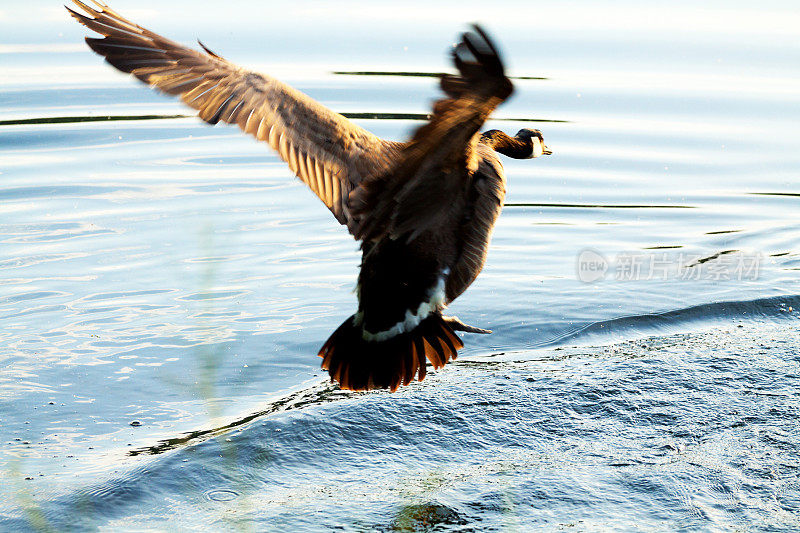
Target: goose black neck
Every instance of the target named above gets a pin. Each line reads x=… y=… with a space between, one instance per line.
x=507 y=145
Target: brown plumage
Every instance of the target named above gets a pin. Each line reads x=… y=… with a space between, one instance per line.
x=423 y=210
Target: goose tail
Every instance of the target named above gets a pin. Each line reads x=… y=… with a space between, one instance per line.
x=359 y=364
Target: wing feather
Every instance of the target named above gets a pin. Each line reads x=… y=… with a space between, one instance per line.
x=484 y=208
x=328 y=152
x=430 y=180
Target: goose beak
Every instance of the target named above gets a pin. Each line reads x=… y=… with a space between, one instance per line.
x=547 y=151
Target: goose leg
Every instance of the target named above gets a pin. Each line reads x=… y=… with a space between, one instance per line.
x=457 y=325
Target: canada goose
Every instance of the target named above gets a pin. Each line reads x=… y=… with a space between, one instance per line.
x=423 y=210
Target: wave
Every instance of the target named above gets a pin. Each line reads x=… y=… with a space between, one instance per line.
x=679 y=320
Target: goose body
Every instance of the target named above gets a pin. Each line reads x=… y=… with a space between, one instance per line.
x=423 y=210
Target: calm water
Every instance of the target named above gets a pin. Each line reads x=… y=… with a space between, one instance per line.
x=172 y=274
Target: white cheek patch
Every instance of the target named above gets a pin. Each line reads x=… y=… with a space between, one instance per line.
x=436 y=299
x=538 y=148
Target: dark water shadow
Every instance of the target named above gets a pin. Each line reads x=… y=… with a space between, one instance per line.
x=415 y=74
x=795 y=194
x=711 y=257
x=600 y=206
x=316 y=395
x=72 y=120
x=427 y=116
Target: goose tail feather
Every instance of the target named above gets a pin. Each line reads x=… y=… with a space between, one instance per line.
x=359 y=364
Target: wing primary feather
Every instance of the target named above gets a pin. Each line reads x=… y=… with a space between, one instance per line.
x=319 y=172
x=220 y=110
x=319 y=180
x=274 y=136
x=262 y=132
x=244 y=118
x=197 y=92
x=253 y=123
x=292 y=158
x=210 y=103
x=302 y=169
x=230 y=117
x=99 y=27
x=332 y=154
x=209 y=52
x=283 y=146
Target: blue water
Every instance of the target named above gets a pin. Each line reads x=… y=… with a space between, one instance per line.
x=176 y=276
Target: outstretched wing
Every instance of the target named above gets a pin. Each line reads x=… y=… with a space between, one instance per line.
x=327 y=151
x=432 y=175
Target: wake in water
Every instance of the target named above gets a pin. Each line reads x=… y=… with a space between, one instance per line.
x=664 y=426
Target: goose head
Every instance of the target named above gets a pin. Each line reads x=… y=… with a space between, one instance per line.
x=534 y=139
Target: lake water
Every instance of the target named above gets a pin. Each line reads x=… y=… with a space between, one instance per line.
x=176 y=276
